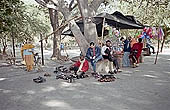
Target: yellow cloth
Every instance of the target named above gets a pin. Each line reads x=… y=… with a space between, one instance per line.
x=26 y=46
x=29 y=60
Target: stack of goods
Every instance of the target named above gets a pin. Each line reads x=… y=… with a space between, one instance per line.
x=65 y=74
x=96 y=75
x=107 y=78
x=104 y=78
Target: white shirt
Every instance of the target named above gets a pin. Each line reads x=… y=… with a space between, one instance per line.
x=103 y=50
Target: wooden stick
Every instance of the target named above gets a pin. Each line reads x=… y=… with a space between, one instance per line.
x=67 y=22
x=164 y=37
x=103 y=29
x=157 y=52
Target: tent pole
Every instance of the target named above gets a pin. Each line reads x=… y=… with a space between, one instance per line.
x=157 y=52
x=158 y=47
x=103 y=29
x=42 y=53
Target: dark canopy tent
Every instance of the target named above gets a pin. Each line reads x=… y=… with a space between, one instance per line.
x=81 y=26
x=117 y=20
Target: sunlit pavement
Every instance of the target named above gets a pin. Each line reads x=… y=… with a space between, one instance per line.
x=144 y=88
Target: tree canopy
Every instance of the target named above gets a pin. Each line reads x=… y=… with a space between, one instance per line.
x=16 y=18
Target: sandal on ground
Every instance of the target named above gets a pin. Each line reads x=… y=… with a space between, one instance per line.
x=47 y=74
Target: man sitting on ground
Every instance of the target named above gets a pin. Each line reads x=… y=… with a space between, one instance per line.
x=80 y=67
x=94 y=55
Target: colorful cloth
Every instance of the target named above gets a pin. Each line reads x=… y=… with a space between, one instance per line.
x=133 y=41
x=26 y=46
x=29 y=60
x=85 y=66
x=137 y=46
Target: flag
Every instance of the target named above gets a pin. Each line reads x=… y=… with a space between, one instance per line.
x=160 y=33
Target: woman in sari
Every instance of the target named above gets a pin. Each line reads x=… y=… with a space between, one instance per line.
x=27 y=52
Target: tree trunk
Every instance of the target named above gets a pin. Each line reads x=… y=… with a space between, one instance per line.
x=90 y=31
x=4 y=50
x=54 y=24
x=82 y=42
x=4 y=46
x=87 y=11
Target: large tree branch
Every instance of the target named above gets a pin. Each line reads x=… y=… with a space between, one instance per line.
x=74 y=7
x=95 y=4
x=83 y=7
x=70 y=5
x=46 y=4
x=62 y=8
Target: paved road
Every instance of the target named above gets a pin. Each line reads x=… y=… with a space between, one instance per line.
x=144 y=88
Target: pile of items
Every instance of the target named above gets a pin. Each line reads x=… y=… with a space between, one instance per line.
x=39 y=80
x=65 y=74
x=104 y=78
x=70 y=76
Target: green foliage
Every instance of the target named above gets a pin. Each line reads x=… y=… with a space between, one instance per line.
x=22 y=21
x=148 y=12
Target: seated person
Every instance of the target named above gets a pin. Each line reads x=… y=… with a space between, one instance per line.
x=136 y=52
x=80 y=67
x=94 y=55
x=107 y=54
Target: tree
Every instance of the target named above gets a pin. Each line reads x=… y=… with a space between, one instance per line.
x=18 y=23
x=87 y=10
x=150 y=12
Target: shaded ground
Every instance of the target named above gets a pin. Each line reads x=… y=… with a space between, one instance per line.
x=144 y=88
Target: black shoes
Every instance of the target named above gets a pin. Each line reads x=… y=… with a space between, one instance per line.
x=107 y=78
x=39 y=80
x=47 y=74
x=113 y=72
x=96 y=75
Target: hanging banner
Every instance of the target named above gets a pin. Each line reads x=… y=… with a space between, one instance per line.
x=160 y=33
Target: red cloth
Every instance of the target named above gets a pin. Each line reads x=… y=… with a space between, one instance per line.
x=85 y=65
x=138 y=46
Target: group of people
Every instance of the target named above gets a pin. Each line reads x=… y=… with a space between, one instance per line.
x=130 y=48
x=93 y=55
x=131 y=52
